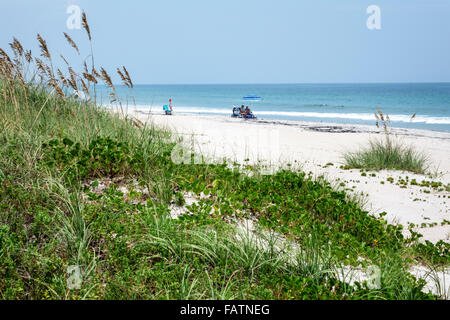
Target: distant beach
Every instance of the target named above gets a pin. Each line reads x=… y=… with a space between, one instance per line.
x=327 y=103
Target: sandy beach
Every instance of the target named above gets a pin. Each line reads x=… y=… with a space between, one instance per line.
x=318 y=148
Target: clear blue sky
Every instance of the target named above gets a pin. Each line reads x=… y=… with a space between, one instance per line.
x=247 y=41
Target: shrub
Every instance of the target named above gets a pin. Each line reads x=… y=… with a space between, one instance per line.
x=380 y=155
x=103 y=157
x=387 y=154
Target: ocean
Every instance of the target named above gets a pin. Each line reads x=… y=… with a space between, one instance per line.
x=333 y=103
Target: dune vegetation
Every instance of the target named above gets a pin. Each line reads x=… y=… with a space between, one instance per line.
x=86 y=201
x=388 y=152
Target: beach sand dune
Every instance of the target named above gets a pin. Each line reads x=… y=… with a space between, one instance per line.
x=318 y=148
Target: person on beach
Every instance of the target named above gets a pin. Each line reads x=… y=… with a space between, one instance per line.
x=168 y=108
x=247 y=111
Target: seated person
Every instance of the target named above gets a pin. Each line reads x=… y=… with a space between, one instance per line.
x=247 y=111
x=241 y=110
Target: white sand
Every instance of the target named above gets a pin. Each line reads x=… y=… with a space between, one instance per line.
x=299 y=143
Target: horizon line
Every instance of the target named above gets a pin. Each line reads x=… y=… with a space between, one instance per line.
x=286 y=83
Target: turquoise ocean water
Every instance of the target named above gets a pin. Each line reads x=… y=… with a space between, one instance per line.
x=336 y=103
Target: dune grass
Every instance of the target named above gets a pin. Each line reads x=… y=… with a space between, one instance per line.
x=64 y=237
x=387 y=153
x=379 y=155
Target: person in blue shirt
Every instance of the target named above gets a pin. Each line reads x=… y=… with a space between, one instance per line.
x=241 y=110
x=168 y=108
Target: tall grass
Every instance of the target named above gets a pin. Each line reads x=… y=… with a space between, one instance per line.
x=395 y=156
x=387 y=153
x=44 y=227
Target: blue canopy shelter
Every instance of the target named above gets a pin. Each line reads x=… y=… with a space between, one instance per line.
x=251 y=99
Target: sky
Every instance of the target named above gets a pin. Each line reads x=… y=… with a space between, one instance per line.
x=245 y=41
